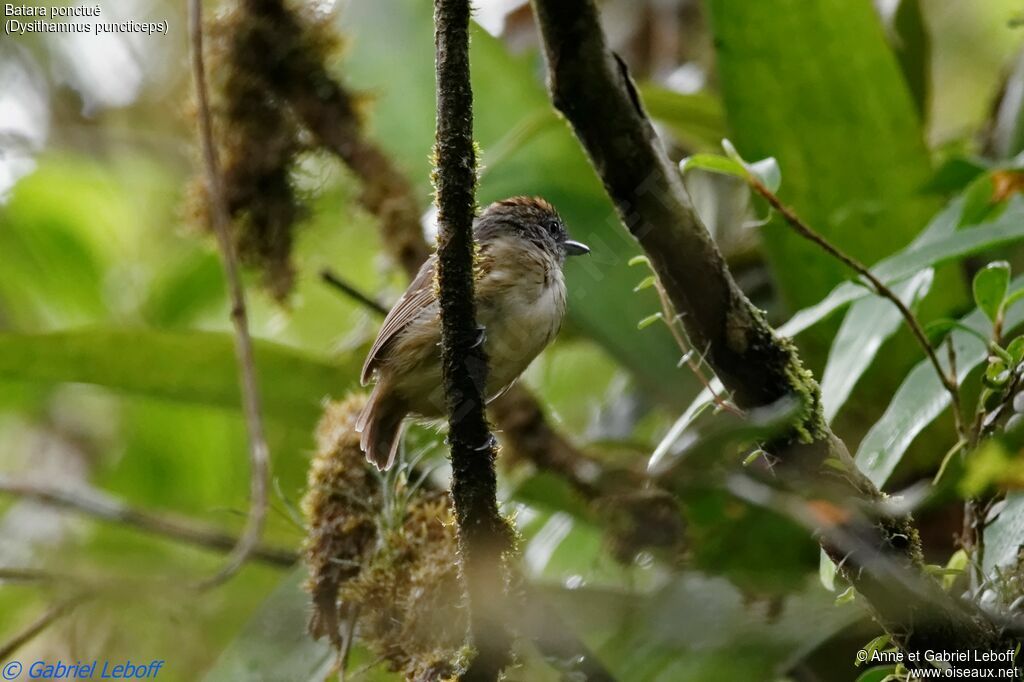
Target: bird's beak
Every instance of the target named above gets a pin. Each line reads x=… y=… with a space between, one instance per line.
x=574 y=248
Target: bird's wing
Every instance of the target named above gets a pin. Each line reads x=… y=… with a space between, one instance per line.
x=419 y=295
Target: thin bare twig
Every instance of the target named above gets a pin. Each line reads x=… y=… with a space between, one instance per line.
x=259 y=454
x=100 y=506
x=48 y=618
x=805 y=231
x=28 y=575
x=333 y=279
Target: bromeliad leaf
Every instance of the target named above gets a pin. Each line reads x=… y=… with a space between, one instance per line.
x=193 y=367
x=865 y=328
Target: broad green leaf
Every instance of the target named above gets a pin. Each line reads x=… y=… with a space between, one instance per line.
x=65 y=235
x=525 y=149
x=193 y=367
x=990 y=286
x=921 y=398
x=967 y=241
x=695 y=120
x=1005 y=535
x=955 y=174
x=908 y=33
x=843 y=128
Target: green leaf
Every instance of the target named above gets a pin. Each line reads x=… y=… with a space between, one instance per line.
x=192 y=367
x=921 y=398
x=1015 y=350
x=648 y=321
x=646 y=283
x=713 y=163
x=936 y=330
x=695 y=120
x=792 y=90
x=827 y=572
x=766 y=171
x=955 y=174
x=877 y=644
x=996 y=375
x=1007 y=229
x=990 y=287
x=955 y=567
x=865 y=328
x=908 y=33
x=846 y=596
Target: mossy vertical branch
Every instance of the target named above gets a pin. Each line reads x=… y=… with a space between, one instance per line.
x=484 y=536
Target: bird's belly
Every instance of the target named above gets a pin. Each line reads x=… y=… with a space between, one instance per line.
x=517 y=330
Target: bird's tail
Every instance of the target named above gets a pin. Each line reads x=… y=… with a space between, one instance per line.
x=379 y=426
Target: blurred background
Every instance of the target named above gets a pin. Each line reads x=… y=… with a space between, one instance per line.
x=111 y=387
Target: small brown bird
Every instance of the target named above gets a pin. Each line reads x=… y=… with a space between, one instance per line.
x=520 y=302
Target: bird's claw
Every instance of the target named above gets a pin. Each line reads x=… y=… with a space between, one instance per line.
x=481 y=337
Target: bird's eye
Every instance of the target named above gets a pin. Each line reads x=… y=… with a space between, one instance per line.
x=552 y=226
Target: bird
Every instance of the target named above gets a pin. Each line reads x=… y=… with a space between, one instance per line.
x=521 y=245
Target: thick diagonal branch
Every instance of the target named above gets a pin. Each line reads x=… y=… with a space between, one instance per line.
x=484 y=536
x=591 y=87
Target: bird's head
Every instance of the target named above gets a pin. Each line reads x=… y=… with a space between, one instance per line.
x=531 y=219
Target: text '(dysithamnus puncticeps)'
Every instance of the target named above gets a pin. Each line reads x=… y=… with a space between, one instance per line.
x=79 y=19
